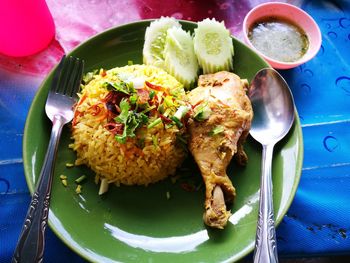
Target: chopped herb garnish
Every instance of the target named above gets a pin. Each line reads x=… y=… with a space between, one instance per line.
x=131 y=120
x=168 y=126
x=148 y=109
x=202 y=112
x=120 y=86
x=152 y=94
x=177 y=121
x=130 y=63
x=154 y=123
x=179 y=114
x=133 y=98
x=155 y=140
x=168 y=101
x=218 y=129
x=89 y=76
x=161 y=108
x=166 y=113
x=80 y=179
x=124 y=107
x=137 y=103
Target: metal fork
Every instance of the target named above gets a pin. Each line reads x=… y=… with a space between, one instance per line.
x=59 y=109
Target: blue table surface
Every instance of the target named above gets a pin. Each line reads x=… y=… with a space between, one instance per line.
x=318 y=221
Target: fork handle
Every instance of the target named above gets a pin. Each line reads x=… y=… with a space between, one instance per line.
x=30 y=246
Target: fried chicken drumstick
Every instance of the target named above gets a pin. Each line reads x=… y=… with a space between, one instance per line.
x=215 y=140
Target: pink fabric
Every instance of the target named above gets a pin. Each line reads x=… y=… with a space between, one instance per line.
x=77 y=20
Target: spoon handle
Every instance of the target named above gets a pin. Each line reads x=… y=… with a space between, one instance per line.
x=265 y=242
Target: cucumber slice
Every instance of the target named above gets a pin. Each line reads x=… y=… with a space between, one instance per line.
x=180 y=59
x=213 y=46
x=156 y=32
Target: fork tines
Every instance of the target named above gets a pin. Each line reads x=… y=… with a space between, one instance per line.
x=70 y=73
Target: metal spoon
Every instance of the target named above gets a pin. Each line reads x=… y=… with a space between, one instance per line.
x=273 y=107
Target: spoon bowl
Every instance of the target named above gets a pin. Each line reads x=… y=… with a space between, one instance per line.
x=273 y=108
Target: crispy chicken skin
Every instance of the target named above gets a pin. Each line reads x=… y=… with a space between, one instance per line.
x=231 y=110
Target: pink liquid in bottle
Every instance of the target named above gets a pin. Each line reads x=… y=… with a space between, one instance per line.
x=26 y=27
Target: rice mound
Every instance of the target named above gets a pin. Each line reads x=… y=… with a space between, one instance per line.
x=125 y=163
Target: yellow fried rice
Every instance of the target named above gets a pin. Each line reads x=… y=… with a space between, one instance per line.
x=126 y=163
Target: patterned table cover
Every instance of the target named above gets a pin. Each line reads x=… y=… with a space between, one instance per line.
x=318 y=221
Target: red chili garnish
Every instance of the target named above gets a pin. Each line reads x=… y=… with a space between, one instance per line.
x=109 y=115
x=108 y=97
x=154 y=101
x=188 y=114
x=114 y=97
x=117 y=108
x=156 y=87
x=153 y=112
x=195 y=105
x=102 y=117
x=112 y=100
x=166 y=120
x=114 y=128
x=76 y=114
x=82 y=99
x=95 y=110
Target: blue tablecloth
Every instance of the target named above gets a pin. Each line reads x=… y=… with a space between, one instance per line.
x=318 y=221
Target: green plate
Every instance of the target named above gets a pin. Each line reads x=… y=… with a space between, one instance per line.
x=140 y=224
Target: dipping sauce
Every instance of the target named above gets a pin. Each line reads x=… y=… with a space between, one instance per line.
x=278 y=39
